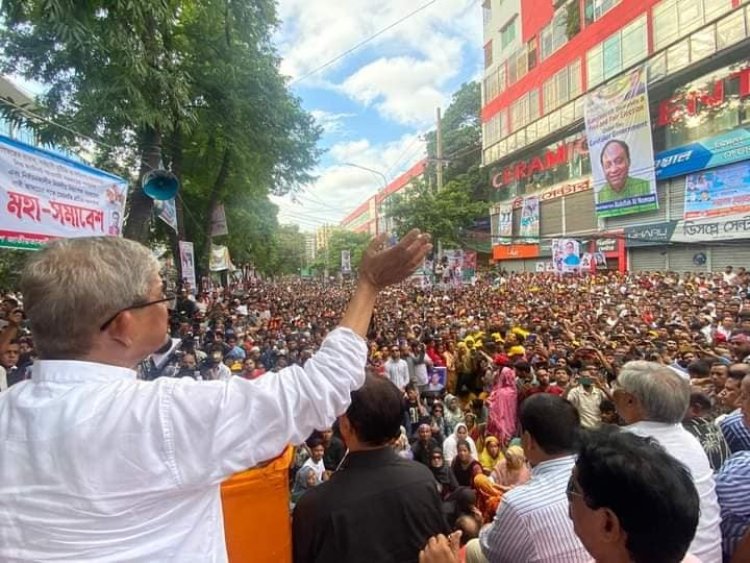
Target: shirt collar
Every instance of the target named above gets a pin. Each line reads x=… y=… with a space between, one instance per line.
x=369 y=457
x=552 y=465
x=74 y=371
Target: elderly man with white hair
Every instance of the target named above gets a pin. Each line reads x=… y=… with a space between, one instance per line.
x=652 y=399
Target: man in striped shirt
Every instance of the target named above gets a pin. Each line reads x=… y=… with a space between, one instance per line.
x=532 y=522
x=733 y=490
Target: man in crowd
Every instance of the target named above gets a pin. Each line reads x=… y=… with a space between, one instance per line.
x=699 y=423
x=736 y=426
x=630 y=500
x=587 y=398
x=397 y=369
x=378 y=507
x=140 y=461
x=652 y=400
x=733 y=491
x=532 y=522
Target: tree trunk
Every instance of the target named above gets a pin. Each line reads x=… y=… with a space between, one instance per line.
x=138 y=223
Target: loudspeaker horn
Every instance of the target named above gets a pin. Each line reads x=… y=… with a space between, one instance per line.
x=160 y=184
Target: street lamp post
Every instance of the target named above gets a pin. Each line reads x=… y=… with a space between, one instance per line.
x=385 y=187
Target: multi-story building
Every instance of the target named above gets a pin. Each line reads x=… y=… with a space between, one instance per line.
x=322 y=236
x=542 y=57
x=310 y=248
x=370 y=217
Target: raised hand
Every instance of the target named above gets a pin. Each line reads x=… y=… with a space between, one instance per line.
x=382 y=267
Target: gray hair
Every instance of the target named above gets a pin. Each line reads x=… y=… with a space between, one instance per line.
x=663 y=394
x=72 y=286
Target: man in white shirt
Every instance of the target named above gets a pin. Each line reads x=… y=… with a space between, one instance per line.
x=96 y=465
x=652 y=399
x=397 y=369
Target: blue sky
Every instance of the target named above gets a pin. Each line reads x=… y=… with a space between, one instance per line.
x=374 y=104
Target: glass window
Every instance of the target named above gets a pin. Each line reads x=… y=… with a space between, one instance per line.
x=512 y=70
x=690 y=15
x=519 y=112
x=678 y=56
x=508 y=34
x=634 y=42
x=501 y=76
x=550 y=97
x=714 y=8
x=657 y=67
x=612 y=56
x=730 y=30
x=595 y=9
x=574 y=75
x=594 y=66
x=666 y=25
x=486 y=12
x=533 y=105
x=703 y=43
x=545 y=41
x=488 y=54
x=561 y=83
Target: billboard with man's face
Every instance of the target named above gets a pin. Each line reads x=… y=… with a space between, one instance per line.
x=618 y=127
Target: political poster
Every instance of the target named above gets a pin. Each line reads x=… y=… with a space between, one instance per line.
x=530 y=219
x=566 y=255
x=44 y=196
x=187 y=262
x=219 y=259
x=618 y=128
x=503 y=224
x=720 y=192
x=219 y=221
x=346 y=262
x=167 y=211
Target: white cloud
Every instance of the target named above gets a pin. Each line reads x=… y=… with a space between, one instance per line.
x=340 y=188
x=414 y=63
x=330 y=122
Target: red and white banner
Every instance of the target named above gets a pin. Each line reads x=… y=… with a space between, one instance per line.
x=44 y=196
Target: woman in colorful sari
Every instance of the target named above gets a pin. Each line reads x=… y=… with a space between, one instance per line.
x=490 y=455
x=502 y=404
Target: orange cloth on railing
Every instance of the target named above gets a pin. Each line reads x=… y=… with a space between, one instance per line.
x=257 y=524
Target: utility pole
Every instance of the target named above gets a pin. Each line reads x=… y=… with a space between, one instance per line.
x=439 y=154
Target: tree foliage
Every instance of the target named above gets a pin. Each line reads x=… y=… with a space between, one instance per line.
x=339 y=240
x=190 y=84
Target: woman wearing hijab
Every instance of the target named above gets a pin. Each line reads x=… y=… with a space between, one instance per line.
x=502 y=404
x=490 y=455
x=450 y=445
x=512 y=470
x=446 y=481
x=453 y=412
x=303 y=482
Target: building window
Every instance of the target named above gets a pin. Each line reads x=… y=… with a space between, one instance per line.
x=673 y=19
x=519 y=113
x=554 y=35
x=595 y=9
x=488 y=54
x=618 y=52
x=533 y=105
x=487 y=12
x=562 y=87
x=508 y=34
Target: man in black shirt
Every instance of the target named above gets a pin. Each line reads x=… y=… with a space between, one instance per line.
x=378 y=507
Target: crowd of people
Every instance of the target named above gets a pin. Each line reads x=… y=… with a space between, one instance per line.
x=510 y=394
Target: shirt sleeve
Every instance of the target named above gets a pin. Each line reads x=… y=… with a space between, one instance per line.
x=733 y=486
x=507 y=539
x=212 y=429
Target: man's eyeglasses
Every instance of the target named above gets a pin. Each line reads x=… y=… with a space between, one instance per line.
x=167 y=297
x=571 y=492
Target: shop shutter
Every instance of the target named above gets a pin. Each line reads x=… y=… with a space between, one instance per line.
x=516 y=266
x=652 y=259
x=681 y=258
x=613 y=223
x=580 y=213
x=730 y=255
x=676 y=197
x=550 y=217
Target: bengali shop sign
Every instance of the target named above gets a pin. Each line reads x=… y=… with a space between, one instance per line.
x=44 y=196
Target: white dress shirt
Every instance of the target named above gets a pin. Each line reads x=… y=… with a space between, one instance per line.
x=398 y=372
x=96 y=465
x=532 y=523
x=686 y=448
